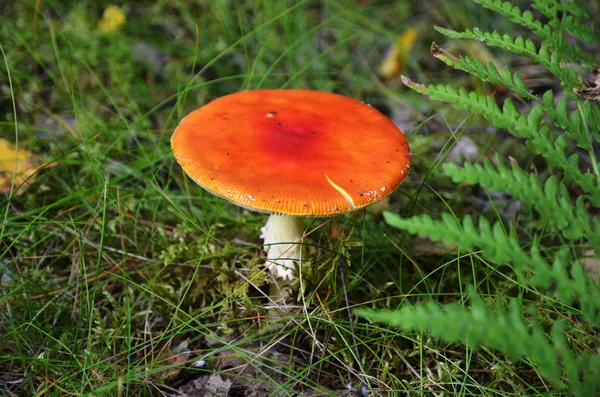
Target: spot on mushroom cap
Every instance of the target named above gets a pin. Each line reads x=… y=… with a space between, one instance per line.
x=296 y=152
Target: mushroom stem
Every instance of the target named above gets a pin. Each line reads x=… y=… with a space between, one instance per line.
x=281 y=235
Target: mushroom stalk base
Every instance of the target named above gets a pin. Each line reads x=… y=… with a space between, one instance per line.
x=280 y=292
x=281 y=235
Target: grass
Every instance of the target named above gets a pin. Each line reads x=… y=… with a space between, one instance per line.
x=119 y=276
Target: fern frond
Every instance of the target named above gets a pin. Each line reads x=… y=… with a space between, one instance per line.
x=549 y=35
x=582 y=31
x=576 y=8
x=591 y=116
x=573 y=23
x=550 y=60
x=550 y=199
x=501 y=329
x=546 y=128
x=485 y=72
x=501 y=247
x=572 y=124
x=530 y=127
x=570 y=280
x=515 y=14
x=560 y=114
x=491 y=239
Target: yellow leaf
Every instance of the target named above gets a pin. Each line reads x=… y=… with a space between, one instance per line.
x=112 y=19
x=19 y=165
x=395 y=60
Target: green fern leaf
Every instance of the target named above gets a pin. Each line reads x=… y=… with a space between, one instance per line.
x=545 y=129
x=571 y=124
x=526 y=47
x=514 y=13
x=550 y=199
x=531 y=128
x=485 y=72
x=573 y=23
x=505 y=330
x=591 y=115
x=569 y=279
x=578 y=8
x=492 y=239
x=549 y=35
x=582 y=31
x=501 y=247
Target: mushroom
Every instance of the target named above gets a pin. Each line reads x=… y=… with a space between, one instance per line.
x=292 y=154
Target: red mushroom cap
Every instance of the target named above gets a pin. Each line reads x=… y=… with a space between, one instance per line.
x=295 y=152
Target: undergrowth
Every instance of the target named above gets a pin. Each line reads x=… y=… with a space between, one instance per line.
x=553 y=318
x=119 y=276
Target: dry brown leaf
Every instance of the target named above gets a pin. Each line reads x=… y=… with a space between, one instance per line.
x=409 y=83
x=591 y=92
x=19 y=165
x=440 y=53
x=173 y=359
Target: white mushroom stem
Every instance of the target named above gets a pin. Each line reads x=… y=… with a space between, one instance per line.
x=281 y=235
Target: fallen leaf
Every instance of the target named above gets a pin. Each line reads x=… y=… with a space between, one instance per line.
x=173 y=359
x=19 y=165
x=397 y=56
x=591 y=92
x=112 y=19
x=219 y=386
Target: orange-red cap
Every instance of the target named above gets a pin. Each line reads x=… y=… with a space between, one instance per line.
x=296 y=152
